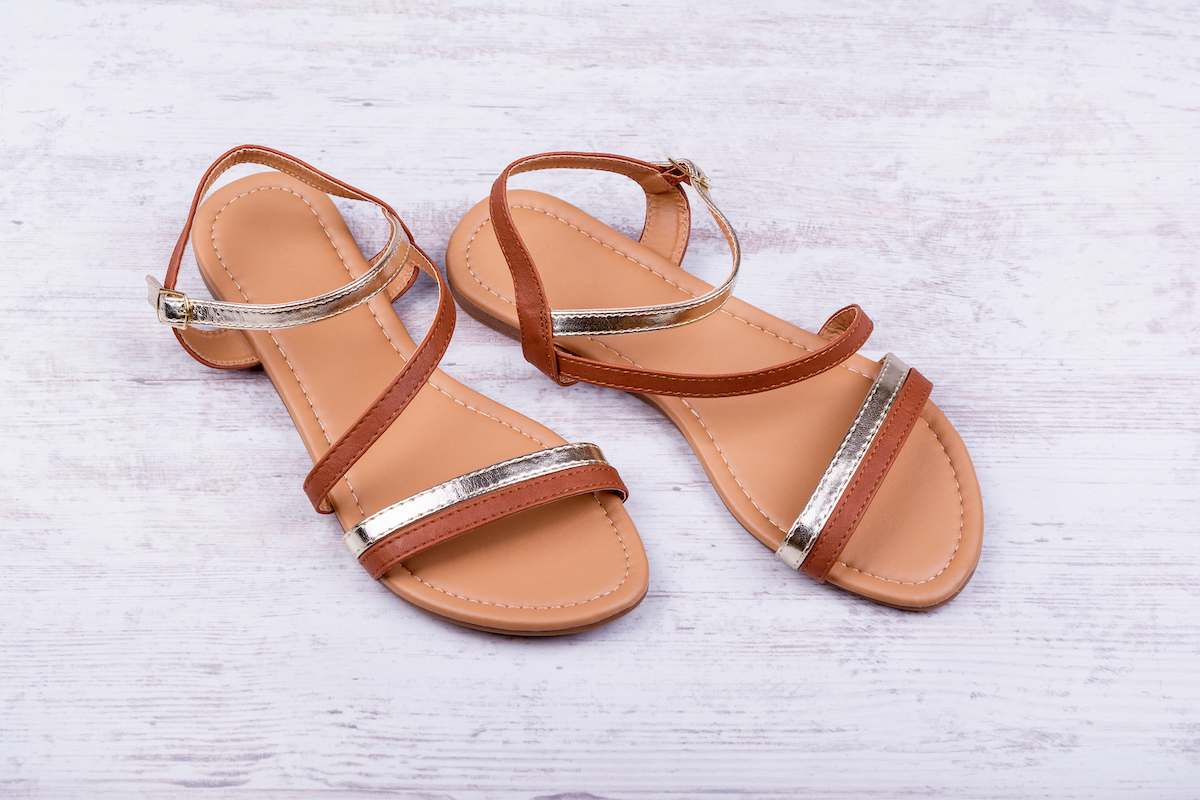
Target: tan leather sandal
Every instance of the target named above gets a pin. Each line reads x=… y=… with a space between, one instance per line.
x=457 y=504
x=835 y=462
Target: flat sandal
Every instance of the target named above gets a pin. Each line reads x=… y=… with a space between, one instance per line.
x=839 y=464
x=460 y=506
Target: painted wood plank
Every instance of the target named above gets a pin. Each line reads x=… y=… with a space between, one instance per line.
x=1010 y=192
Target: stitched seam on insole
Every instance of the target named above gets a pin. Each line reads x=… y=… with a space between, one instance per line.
x=767 y=517
x=526 y=435
x=317 y=417
x=962 y=521
x=711 y=438
x=224 y=266
x=732 y=474
x=646 y=267
x=304 y=180
x=624 y=577
x=447 y=394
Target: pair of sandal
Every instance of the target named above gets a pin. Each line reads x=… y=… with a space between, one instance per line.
x=485 y=518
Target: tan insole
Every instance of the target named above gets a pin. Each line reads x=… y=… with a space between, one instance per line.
x=918 y=543
x=573 y=564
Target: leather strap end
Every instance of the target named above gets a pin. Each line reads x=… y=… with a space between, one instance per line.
x=841 y=321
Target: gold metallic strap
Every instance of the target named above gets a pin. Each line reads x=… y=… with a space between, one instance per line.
x=467 y=487
x=601 y=322
x=879 y=401
x=178 y=310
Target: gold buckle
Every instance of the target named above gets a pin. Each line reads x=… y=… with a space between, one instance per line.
x=695 y=175
x=157 y=293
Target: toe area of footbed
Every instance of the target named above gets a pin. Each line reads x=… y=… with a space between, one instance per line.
x=568 y=566
x=919 y=541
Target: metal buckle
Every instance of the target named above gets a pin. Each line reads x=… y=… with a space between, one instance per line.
x=157 y=293
x=694 y=174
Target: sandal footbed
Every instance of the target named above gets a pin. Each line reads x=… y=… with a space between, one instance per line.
x=570 y=565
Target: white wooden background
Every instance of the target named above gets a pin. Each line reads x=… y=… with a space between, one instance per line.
x=1011 y=190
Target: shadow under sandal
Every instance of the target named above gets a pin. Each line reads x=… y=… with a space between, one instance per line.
x=457 y=504
x=837 y=463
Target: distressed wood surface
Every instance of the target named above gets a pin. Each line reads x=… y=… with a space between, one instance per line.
x=1011 y=192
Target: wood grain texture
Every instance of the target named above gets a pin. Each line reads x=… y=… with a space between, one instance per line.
x=1011 y=193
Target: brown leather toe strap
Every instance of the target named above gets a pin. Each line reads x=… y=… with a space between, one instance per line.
x=444 y=525
x=848 y=512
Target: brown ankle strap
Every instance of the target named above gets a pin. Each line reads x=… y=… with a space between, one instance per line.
x=846 y=330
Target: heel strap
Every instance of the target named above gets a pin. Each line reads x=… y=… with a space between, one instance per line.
x=222 y=349
x=667 y=221
x=846 y=331
x=228 y=349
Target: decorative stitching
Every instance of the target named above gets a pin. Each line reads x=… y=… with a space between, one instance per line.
x=251 y=362
x=961 y=523
x=362 y=420
x=624 y=578
x=510 y=427
x=711 y=438
x=728 y=466
x=597 y=312
x=404 y=360
x=273 y=160
x=781 y=368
